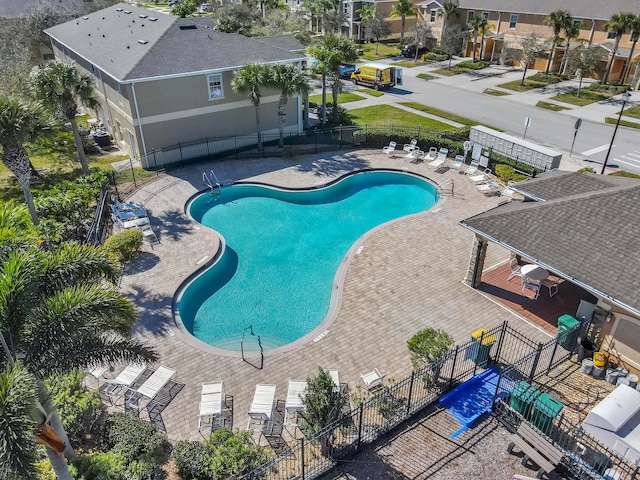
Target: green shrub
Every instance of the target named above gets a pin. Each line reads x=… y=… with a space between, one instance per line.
x=124 y=245
x=507 y=174
x=470 y=64
x=78 y=407
x=134 y=439
x=546 y=79
x=428 y=346
x=233 y=454
x=377 y=138
x=192 y=460
x=434 y=57
x=586 y=169
x=100 y=466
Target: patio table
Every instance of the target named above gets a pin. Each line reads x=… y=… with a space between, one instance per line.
x=534 y=272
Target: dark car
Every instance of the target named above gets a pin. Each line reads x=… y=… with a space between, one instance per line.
x=409 y=51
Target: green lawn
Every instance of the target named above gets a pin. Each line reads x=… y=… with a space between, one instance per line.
x=586 y=97
x=633 y=112
x=408 y=63
x=386 y=114
x=344 y=97
x=495 y=93
x=624 y=123
x=516 y=87
x=385 y=50
x=440 y=113
x=448 y=73
x=425 y=76
x=551 y=106
x=369 y=91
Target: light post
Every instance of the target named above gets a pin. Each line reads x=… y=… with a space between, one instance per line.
x=625 y=98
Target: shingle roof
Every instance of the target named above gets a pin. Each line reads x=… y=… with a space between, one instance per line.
x=591 y=238
x=286 y=42
x=579 y=9
x=21 y=8
x=115 y=41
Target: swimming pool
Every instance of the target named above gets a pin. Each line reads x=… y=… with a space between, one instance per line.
x=282 y=251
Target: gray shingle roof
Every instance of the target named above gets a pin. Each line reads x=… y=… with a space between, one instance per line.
x=114 y=41
x=579 y=9
x=21 y=8
x=286 y=42
x=590 y=237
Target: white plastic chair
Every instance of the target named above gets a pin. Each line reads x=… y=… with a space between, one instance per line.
x=443 y=153
x=148 y=234
x=458 y=162
x=372 y=379
x=391 y=148
x=410 y=146
x=211 y=402
x=262 y=404
x=432 y=154
x=473 y=168
x=335 y=376
x=294 y=400
x=116 y=387
x=515 y=269
x=150 y=388
x=532 y=285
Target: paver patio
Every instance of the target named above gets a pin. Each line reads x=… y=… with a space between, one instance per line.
x=407 y=276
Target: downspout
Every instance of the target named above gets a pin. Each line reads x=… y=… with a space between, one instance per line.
x=135 y=103
x=593 y=28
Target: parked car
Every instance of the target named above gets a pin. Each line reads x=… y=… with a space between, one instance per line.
x=173 y=3
x=204 y=7
x=409 y=51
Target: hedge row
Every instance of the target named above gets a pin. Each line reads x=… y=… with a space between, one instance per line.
x=373 y=138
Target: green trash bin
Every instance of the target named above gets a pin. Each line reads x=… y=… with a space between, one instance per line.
x=481 y=346
x=545 y=409
x=523 y=396
x=568 y=331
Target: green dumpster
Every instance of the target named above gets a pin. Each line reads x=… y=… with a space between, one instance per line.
x=545 y=409
x=523 y=396
x=482 y=341
x=568 y=331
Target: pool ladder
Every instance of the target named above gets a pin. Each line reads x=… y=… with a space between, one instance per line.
x=213 y=183
x=446 y=188
x=250 y=328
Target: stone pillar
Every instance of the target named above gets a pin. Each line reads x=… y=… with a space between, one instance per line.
x=476 y=261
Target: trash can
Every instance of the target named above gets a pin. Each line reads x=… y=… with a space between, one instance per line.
x=545 y=409
x=482 y=341
x=568 y=331
x=586 y=349
x=523 y=396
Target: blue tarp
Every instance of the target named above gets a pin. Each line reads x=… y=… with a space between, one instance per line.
x=469 y=401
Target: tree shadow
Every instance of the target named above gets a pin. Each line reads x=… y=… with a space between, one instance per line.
x=172 y=224
x=155 y=311
x=143 y=262
x=337 y=164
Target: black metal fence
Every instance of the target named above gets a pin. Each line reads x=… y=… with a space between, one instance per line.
x=502 y=346
x=98 y=228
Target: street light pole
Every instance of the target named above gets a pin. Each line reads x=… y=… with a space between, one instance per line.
x=625 y=98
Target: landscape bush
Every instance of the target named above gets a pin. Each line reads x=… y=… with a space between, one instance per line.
x=471 y=65
x=506 y=173
x=434 y=57
x=124 y=245
x=134 y=439
x=379 y=137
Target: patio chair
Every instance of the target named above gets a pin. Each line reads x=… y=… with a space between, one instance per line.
x=432 y=154
x=416 y=155
x=125 y=206
x=294 y=400
x=532 y=285
x=552 y=284
x=148 y=234
x=116 y=387
x=483 y=177
x=411 y=145
x=128 y=214
x=150 y=388
x=458 y=162
x=262 y=404
x=443 y=153
x=490 y=188
x=515 y=268
x=473 y=168
x=391 y=148
x=373 y=379
x=335 y=376
x=97 y=373
x=211 y=402
x=437 y=162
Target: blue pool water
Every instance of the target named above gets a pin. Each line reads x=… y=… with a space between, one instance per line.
x=283 y=249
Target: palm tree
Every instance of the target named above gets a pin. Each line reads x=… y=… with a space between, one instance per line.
x=448 y=11
x=290 y=81
x=17 y=400
x=60 y=86
x=477 y=23
x=558 y=20
x=571 y=32
x=59 y=312
x=367 y=13
x=330 y=53
x=618 y=24
x=634 y=27
x=248 y=81
x=403 y=9
x=484 y=28
x=21 y=122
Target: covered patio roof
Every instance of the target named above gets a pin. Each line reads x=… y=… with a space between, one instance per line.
x=582 y=226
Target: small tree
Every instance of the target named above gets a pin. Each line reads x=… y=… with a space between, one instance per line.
x=585 y=61
x=185 y=9
x=423 y=34
x=451 y=43
x=377 y=27
x=428 y=346
x=531 y=47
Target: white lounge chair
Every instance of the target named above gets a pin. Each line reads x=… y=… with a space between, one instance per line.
x=335 y=376
x=515 y=268
x=410 y=146
x=127 y=206
x=116 y=387
x=372 y=379
x=443 y=153
x=532 y=285
x=211 y=402
x=262 y=404
x=128 y=214
x=458 y=162
x=294 y=400
x=148 y=234
x=432 y=154
x=391 y=148
x=150 y=388
x=481 y=177
x=97 y=373
x=473 y=168
x=490 y=188
x=416 y=155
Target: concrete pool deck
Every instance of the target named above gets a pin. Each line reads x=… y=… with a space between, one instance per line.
x=407 y=276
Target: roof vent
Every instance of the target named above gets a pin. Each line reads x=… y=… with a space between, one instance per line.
x=153 y=19
x=143 y=16
x=189 y=26
x=143 y=42
x=127 y=12
x=119 y=9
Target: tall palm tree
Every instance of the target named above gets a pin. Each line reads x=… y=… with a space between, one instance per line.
x=367 y=12
x=247 y=81
x=634 y=27
x=403 y=9
x=21 y=122
x=571 y=32
x=17 y=400
x=618 y=24
x=60 y=311
x=557 y=20
x=330 y=52
x=477 y=23
x=484 y=28
x=290 y=81
x=63 y=88
x=448 y=12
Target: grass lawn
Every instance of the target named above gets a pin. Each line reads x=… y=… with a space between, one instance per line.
x=551 y=106
x=344 y=97
x=386 y=114
x=448 y=73
x=425 y=76
x=495 y=93
x=440 y=113
x=624 y=123
x=408 y=63
x=586 y=97
x=528 y=85
x=633 y=112
x=385 y=50
x=369 y=91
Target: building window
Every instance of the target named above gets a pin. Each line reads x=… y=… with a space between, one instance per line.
x=485 y=15
x=346 y=7
x=434 y=15
x=470 y=14
x=611 y=35
x=577 y=23
x=215 y=85
x=513 y=21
